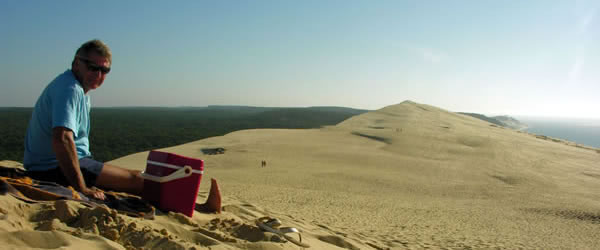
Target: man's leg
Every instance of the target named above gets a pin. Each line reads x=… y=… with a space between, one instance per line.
x=120 y=179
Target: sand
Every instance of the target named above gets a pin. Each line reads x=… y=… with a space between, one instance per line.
x=408 y=176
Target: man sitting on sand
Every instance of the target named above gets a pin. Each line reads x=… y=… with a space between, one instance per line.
x=57 y=140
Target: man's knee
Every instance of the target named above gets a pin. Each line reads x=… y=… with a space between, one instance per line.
x=135 y=172
x=136 y=175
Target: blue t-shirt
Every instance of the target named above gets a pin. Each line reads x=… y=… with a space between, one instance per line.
x=63 y=103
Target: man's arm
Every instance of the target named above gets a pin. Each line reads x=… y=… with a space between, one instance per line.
x=63 y=145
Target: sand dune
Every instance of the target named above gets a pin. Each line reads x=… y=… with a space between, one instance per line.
x=405 y=176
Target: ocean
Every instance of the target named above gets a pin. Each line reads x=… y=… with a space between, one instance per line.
x=581 y=131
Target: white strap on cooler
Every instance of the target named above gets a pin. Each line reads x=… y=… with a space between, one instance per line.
x=181 y=172
x=167 y=165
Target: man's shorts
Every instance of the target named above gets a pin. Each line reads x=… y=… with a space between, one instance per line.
x=90 y=169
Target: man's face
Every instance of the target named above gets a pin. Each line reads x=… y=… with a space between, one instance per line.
x=91 y=70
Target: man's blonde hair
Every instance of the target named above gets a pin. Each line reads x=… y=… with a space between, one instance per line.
x=96 y=46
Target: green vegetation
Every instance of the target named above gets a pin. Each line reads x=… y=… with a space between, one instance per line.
x=116 y=132
x=12 y=132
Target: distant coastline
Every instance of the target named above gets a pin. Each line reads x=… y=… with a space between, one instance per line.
x=584 y=132
x=581 y=131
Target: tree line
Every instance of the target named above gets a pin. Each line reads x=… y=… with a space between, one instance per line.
x=117 y=132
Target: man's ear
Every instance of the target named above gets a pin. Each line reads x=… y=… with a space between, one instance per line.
x=76 y=66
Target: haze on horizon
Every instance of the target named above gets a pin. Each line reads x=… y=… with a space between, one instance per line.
x=531 y=58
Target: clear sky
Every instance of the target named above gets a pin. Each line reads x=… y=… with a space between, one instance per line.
x=493 y=57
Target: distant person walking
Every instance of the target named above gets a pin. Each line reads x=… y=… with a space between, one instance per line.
x=57 y=140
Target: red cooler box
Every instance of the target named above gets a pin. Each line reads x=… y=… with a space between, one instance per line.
x=171 y=181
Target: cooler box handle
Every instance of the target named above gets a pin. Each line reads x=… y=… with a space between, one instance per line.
x=180 y=173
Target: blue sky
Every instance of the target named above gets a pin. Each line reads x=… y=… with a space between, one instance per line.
x=494 y=57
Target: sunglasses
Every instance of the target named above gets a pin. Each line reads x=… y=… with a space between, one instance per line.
x=93 y=67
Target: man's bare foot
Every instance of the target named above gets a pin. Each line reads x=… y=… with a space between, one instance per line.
x=213 y=202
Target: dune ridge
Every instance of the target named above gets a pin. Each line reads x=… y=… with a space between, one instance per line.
x=406 y=176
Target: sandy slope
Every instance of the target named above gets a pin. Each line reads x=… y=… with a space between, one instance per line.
x=405 y=176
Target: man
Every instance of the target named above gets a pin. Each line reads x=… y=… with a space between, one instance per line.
x=57 y=140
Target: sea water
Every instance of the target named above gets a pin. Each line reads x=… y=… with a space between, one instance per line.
x=581 y=131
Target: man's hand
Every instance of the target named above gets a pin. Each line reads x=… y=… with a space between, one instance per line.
x=93 y=192
x=63 y=145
